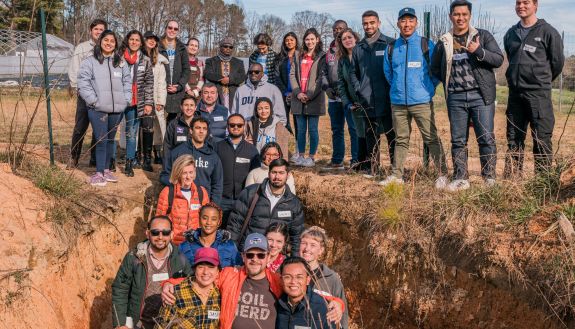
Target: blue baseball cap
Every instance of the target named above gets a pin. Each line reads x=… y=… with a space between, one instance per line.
x=407 y=11
x=256 y=240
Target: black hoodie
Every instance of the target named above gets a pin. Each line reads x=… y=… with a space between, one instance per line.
x=535 y=61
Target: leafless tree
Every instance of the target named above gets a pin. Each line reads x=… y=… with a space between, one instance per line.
x=303 y=20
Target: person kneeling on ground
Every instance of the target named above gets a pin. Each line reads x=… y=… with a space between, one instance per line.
x=136 y=288
x=181 y=201
x=265 y=127
x=208 y=235
x=198 y=300
x=300 y=306
x=269 y=153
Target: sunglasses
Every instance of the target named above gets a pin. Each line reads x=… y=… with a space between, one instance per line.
x=173 y=28
x=251 y=255
x=254 y=72
x=235 y=125
x=228 y=47
x=155 y=232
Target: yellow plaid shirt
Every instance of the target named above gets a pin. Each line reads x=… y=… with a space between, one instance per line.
x=188 y=312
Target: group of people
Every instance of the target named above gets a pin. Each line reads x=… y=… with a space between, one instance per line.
x=227 y=247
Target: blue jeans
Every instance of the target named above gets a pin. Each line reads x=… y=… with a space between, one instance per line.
x=338 y=115
x=461 y=108
x=104 y=126
x=132 y=125
x=307 y=123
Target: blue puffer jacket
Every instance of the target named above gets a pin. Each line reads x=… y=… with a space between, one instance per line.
x=227 y=250
x=218 y=120
x=408 y=73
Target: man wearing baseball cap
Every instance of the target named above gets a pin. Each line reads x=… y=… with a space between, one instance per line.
x=407 y=68
x=197 y=303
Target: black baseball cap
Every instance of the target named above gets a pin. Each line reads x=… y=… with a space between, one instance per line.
x=150 y=34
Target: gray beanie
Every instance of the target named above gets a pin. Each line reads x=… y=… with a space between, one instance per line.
x=227 y=41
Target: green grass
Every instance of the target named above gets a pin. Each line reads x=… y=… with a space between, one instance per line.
x=55 y=181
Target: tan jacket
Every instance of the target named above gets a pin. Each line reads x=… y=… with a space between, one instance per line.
x=160 y=85
x=81 y=52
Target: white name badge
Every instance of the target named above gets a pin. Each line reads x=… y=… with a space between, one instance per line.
x=129 y=322
x=529 y=48
x=117 y=74
x=217 y=119
x=459 y=57
x=195 y=206
x=242 y=160
x=284 y=213
x=414 y=64
x=301 y=327
x=379 y=52
x=304 y=61
x=194 y=68
x=537 y=39
x=213 y=315
x=160 y=277
x=141 y=68
x=181 y=139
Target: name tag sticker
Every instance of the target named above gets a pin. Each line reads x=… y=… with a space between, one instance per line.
x=160 y=277
x=194 y=68
x=379 y=52
x=217 y=119
x=284 y=213
x=242 y=160
x=213 y=315
x=537 y=39
x=195 y=206
x=301 y=327
x=141 y=68
x=459 y=57
x=181 y=139
x=414 y=64
x=304 y=61
x=117 y=74
x=529 y=48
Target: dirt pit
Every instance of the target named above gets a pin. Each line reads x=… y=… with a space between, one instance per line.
x=418 y=274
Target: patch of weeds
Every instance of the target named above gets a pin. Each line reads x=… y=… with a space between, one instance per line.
x=545 y=186
x=526 y=210
x=58 y=215
x=569 y=211
x=11 y=297
x=55 y=181
x=390 y=209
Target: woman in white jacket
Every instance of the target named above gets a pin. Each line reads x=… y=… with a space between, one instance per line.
x=159 y=63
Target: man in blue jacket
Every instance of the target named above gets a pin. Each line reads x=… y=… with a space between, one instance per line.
x=216 y=114
x=406 y=67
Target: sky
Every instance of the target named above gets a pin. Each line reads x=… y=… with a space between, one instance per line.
x=558 y=13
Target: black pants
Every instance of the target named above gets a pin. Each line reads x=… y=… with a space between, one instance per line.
x=374 y=126
x=80 y=127
x=532 y=108
x=227 y=207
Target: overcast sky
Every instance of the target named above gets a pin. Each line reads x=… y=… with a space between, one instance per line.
x=559 y=13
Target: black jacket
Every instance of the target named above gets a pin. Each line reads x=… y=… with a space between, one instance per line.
x=536 y=61
x=177 y=132
x=180 y=75
x=237 y=164
x=288 y=210
x=213 y=73
x=311 y=312
x=367 y=76
x=483 y=62
x=282 y=73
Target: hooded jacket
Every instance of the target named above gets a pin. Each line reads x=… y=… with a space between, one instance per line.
x=209 y=173
x=310 y=312
x=129 y=286
x=177 y=132
x=314 y=92
x=81 y=52
x=227 y=250
x=160 y=84
x=237 y=164
x=483 y=62
x=218 y=120
x=326 y=282
x=288 y=210
x=105 y=88
x=179 y=76
x=367 y=76
x=247 y=94
x=536 y=61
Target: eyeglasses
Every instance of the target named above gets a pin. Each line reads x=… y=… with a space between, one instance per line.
x=254 y=72
x=155 y=232
x=173 y=28
x=235 y=125
x=227 y=47
x=272 y=155
x=251 y=255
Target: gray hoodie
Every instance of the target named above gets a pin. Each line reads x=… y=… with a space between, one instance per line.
x=326 y=282
x=246 y=96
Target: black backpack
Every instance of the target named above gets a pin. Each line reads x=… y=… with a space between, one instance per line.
x=171 y=196
x=424 y=48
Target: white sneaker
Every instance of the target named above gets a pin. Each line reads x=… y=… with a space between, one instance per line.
x=490 y=182
x=458 y=185
x=308 y=162
x=391 y=180
x=299 y=161
x=294 y=158
x=441 y=182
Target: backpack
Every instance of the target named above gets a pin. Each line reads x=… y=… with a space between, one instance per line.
x=424 y=48
x=171 y=197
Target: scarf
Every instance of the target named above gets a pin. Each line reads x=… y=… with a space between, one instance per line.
x=223 y=57
x=371 y=40
x=132 y=59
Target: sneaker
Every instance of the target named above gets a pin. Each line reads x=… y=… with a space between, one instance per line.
x=109 y=176
x=334 y=166
x=441 y=182
x=458 y=185
x=98 y=180
x=294 y=158
x=391 y=180
x=299 y=161
x=490 y=182
x=308 y=162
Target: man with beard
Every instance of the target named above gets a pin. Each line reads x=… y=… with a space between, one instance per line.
x=216 y=114
x=136 y=290
x=238 y=158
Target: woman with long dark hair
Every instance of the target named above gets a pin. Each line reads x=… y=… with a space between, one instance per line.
x=104 y=83
x=264 y=127
x=289 y=51
x=139 y=113
x=308 y=100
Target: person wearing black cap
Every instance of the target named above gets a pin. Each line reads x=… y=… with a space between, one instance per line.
x=406 y=67
x=535 y=52
x=226 y=72
x=464 y=60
